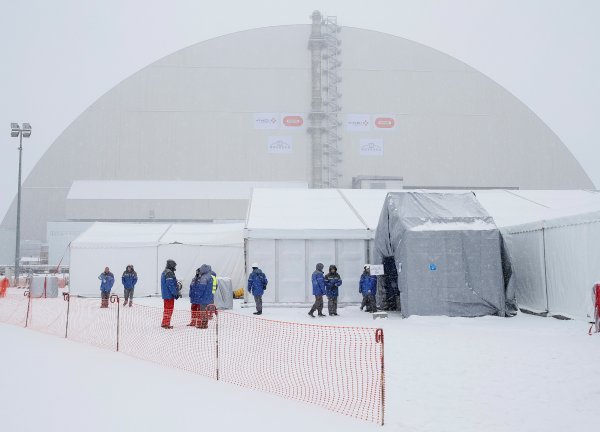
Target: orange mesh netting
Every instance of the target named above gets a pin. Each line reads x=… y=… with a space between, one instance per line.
x=339 y=368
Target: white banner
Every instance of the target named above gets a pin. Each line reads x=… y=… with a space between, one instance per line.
x=358 y=122
x=279 y=145
x=266 y=120
x=292 y=121
x=376 y=269
x=371 y=147
x=384 y=122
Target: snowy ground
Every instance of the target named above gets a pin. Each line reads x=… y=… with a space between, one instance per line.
x=442 y=374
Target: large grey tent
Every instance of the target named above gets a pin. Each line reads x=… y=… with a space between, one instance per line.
x=447 y=251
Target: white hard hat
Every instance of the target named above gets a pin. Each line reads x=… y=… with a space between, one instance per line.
x=254 y=265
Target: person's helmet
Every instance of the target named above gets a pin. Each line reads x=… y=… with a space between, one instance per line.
x=254 y=265
x=171 y=264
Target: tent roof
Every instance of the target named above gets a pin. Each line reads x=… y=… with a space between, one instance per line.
x=287 y=213
x=116 y=234
x=303 y=213
x=207 y=234
x=110 y=234
x=437 y=211
x=516 y=207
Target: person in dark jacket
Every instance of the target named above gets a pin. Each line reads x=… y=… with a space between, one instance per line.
x=367 y=286
x=318 y=286
x=129 y=279
x=107 y=279
x=332 y=283
x=169 y=291
x=257 y=284
x=201 y=295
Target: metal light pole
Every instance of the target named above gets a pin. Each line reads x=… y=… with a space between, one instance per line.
x=21 y=132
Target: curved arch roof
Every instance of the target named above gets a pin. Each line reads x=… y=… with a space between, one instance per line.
x=193 y=116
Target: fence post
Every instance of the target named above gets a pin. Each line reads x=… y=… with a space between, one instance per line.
x=67 y=298
x=27 y=294
x=115 y=298
x=379 y=339
x=211 y=308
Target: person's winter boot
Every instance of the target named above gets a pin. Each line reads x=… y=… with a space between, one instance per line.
x=257 y=313
x=311 y=314
x=129 y=303
x=321 y=314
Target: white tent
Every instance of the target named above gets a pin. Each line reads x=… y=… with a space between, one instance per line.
x=147 y=246
x=556 y=263
x=191 y=245
x=289 y=231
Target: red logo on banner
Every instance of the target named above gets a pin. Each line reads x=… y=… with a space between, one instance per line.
x=293 y=121
x=384 y=122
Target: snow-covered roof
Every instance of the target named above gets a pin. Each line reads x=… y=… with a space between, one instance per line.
x=319 y=213
x=110 y=234
x=303 y=213
x=170 y=190
x=205 y=234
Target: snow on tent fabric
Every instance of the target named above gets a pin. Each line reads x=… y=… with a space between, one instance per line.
x=448 y=251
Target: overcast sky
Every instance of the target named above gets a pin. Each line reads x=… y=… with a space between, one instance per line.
x=59 y=56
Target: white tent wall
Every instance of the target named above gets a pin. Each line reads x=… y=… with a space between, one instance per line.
x=351 y=258
x=88 y=262
x=572 y=265
x=526 y=250
x=291 y=270
x=289 y=264
x=226 y=261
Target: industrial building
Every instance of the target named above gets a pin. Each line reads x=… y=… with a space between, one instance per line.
x=316 y=105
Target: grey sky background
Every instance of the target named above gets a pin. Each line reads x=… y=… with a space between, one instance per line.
x=59 y=56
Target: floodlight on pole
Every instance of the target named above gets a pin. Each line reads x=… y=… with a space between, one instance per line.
x=21 y=132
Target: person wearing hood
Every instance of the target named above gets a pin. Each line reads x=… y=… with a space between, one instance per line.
x=367 y=286
x=318 y=286
x=201 y=295
x=332 y=283
x=169 y=291
x=129 y=279
x=107 y=279
x=257 y=284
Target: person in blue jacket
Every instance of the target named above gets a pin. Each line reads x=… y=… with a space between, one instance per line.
x=107 y=279
x=201 y=295
x=170 y=292
x=129 y=279
x=368 y=288
x=318 y=286
x=257 y=284
x=332 y=283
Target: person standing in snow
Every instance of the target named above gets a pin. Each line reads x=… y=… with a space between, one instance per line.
x=257 y=284
x=318 y=286
x=169 y=291
x=129 y=279
x=367 y=286
x=201 y=295
x=332 y=283
x=107 y=279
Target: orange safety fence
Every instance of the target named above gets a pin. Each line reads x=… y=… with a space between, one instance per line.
x=338 y=368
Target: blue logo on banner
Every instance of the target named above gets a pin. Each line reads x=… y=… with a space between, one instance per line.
x=432 y=267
